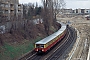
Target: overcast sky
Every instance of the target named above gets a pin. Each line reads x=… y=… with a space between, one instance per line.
x=74 y=4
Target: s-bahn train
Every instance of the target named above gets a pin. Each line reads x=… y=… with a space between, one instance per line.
x=47 y=43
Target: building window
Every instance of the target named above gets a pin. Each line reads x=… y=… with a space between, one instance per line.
x=12 y=11
x=19 y=6
x=6 y=11
x=19 y=11
x=2 y=5
x=6 y=5
x=12 y=6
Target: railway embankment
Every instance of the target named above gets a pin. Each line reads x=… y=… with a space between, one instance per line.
x=20 y=41
x=75 y=47
x=83 y=26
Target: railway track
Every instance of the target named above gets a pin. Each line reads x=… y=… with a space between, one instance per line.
x=67 y=42
x=56 y=52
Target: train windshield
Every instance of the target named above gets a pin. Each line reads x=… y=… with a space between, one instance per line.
x=39 y=46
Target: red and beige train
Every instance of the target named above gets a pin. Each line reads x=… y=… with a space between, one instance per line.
x=45 y=44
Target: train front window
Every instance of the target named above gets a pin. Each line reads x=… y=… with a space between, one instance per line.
x=40 y=46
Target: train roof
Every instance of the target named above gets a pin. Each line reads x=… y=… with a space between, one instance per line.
x=49 y=38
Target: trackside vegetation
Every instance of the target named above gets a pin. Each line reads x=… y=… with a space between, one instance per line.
x=10 y=52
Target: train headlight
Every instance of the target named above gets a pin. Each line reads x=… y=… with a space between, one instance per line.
x=36 y=49
x=42 y=49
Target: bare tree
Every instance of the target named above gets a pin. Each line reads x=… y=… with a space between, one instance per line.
x=45 y=16
x=58 y=5
x=1 y=40
x=1 y=12
x=50 y=9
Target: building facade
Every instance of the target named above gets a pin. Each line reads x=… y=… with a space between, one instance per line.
x=11 y=9
x=66 y=11
x=82 y=11
x=77 y=11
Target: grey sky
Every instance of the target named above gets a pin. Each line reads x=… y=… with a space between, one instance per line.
x=69 y=3
x=77 y=4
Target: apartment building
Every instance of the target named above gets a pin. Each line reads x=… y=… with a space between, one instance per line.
x=83 y=11
x=87 y=11
x=77 y=11
x=66 y=11
x=11 y=8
